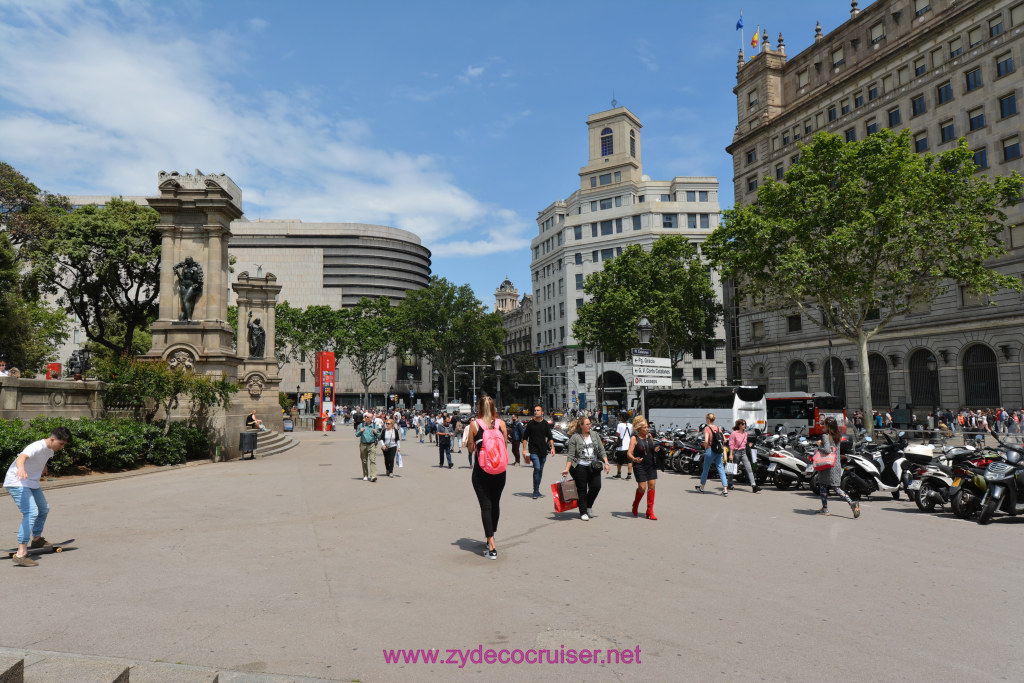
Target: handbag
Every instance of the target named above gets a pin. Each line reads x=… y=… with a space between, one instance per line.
x=731 y=468
x=562 y=505
x=567 y=490
x=596 y=465
x=824 y=461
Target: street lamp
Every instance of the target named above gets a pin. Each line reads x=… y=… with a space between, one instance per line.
x=298 y=395
x=498 y=362
x=933 y=379
x=387 y=401
x=643 y=330
x=436 y=376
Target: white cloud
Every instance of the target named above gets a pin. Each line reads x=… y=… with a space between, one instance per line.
x=257 y=24
x=646 y=55
x=471 y=73
x=92 y=104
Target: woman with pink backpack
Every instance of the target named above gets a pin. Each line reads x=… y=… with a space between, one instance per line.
x=489 y=437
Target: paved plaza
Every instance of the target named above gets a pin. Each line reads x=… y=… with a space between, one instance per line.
x=293 y=565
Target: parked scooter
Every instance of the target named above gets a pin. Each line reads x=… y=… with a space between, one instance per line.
x=884 y=472
x=1005 y=484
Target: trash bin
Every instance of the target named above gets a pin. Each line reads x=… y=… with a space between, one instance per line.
x=287 y=425
x=318 y=424
x=247 y=443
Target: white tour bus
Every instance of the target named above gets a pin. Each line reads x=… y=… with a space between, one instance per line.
x=675 y=408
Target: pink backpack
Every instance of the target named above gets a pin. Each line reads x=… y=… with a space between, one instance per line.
x=491 y=453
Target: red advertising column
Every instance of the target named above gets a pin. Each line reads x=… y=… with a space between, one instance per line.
x=324 y=381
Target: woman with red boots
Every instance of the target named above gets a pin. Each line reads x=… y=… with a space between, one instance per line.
x=641 y=453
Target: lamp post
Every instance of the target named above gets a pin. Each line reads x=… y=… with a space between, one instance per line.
x=643 y=330
x=933 y=379
x=498 y=361
x=474 y=366
x=436 y=375
x=298 y=395
x=387 y=401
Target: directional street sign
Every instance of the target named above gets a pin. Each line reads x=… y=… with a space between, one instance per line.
x=655 y=371
x=639 y=381
x=642 y=352
x=651 y=361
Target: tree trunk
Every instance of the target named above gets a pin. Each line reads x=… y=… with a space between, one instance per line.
x=167 y=418
x=865 y=382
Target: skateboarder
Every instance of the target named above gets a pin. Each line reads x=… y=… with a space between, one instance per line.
x=22 y=482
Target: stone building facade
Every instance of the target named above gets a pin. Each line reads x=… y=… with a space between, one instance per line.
x=615 y=206
x=943 y=69
x=517 y=319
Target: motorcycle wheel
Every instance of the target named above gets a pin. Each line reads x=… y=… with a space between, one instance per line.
x=925 y=502
x=760 y=476
x=781 y=483
x=895 y=495
x=964 y=504
x=987 y=510
x=678 y=465
x=847 y=485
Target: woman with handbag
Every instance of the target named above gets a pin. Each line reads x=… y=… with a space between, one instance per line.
x=389 y=443
x=641 y=453
x=585 y=459
x=738 y=447
x=829 y=478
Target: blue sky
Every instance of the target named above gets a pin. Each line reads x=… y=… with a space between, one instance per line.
x=455 y=120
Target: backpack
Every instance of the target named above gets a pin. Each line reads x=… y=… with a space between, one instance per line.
x=492 y=456
x=717 y=442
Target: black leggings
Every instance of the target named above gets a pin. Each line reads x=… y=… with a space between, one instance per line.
x=588 y=485
x=389 y=459
x=488 y=489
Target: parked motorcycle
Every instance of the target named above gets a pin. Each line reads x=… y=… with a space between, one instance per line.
x=1005 y=484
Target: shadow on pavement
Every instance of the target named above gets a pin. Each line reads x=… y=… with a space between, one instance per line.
x=470 y=545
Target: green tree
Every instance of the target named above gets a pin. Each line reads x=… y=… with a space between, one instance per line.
x=447 y=325
x=859 y=233
x=103 y=265
x=364 y=334
x=26 y=212
x=669 y=284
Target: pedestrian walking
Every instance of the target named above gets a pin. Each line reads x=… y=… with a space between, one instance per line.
x=624 y=433
x=368 y=436
x=585 y=461
x=515 y=433
x=22 y=483
x=444 y=442
x=488 y=436
x=714 y=448
x=641 y=453
x=738 y=447
x=828 y=480
x=539 y=442
x=390 y=444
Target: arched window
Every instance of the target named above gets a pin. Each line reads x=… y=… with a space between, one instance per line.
x=981 y=377
x=924 y=381
x=632 y=143
x=606 y=142
x=878 y=372
x=797 y=376
x=834 y=379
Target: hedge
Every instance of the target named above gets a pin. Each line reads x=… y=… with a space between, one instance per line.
x=105 y=445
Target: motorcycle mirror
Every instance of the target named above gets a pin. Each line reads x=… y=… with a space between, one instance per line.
x=868 y=439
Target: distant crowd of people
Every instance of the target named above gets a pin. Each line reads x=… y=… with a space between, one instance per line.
x=997 y=420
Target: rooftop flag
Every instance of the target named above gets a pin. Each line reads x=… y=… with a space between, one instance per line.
x=739 y=24
x=756 y=38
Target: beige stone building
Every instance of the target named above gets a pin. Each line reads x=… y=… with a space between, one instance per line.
x=943 y=69
x=615 y=206
x=516 y=318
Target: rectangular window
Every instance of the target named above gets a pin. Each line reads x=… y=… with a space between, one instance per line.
x=636 y=222
x=947 y=131
x=872 y=92
x=702 y=195
x=618 y=200
x=607 y=228
x=973 y=79
x=697 y=374
x=976 y=118
x=751 y=99
x=665 y=198
x=995 y=26
x=1004 y=64
x=691 y=221
x=579 y=281
x=751 y=156
x=920 y=66
x=607 y=254
x=956 y=47
x=894 y=117
x=937 y=58
x=832 y=113
x=593 y=181
x=578 y=259
x=618 y=176
x=1011 y=148
x=577 y=232
x=944 y=93
x=850 y=135
x=819 y=120
x=917 y=106
x=593 y=229
x=807 y=128
x=858 y=100
x=794 y=323
x=605 y=179
x=711 y=374
x=668 y=220
x=618 y=251
x=561 y=310
x=641 y=199
x=618 y=225
x=887 y=84
x=757 y=330
x=920 y=7
x=538 y=339
x=751 y=183
x=871 y=127
x=844 y=107
x=691 y=195
x=593 y=205
x=974 y=36
x=921 y=142
x=837 y=57
x=595 y=255
x=779 y=172
x=981 y=158
x=1017 y=15
x=877 y=32
x=705 y=221
x=903 y=76
x=1008 y=105
x=302 y=374
x=579 y=305
x=801 y=78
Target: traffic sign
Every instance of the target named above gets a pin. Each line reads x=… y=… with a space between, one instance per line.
x=651 y=361
x=642 y=352
x=651 y=371
x=639 y=381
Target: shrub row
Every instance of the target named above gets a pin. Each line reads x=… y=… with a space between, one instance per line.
x=105 y=445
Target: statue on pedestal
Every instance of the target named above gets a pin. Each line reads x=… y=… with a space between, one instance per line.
x=190 y=285
x=257 y=338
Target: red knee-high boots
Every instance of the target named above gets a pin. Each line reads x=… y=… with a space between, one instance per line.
x=636 y=502
x=650 y=504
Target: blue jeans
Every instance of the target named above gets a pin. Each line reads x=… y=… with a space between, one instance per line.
x=538 y=470
x=34 y=509
x=709 y=457
x=444 y=449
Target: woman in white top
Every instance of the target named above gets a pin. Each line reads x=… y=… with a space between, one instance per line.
x=389 y=443
x=624 y=433
x=585 y=461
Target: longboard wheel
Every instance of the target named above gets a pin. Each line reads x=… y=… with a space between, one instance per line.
x=58 y=549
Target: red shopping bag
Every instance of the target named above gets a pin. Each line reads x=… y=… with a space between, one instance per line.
x=561 y=505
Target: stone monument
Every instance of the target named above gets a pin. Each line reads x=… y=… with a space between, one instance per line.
x=257 y=298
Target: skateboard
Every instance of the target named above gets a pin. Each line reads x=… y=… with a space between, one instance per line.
x=55 y=548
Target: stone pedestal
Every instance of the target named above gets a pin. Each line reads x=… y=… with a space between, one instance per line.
x=258 y=374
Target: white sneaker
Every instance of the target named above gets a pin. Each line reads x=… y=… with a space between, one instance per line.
x=585 y=517
x=366 y=479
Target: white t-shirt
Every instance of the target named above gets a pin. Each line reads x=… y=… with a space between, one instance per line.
x=38 y=455
x=587 y=456
x=624 y=432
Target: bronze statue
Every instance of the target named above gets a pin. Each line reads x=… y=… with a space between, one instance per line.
x=257 y=338
x=190 y=285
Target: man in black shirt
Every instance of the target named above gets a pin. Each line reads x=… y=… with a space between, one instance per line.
x=539 y=442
